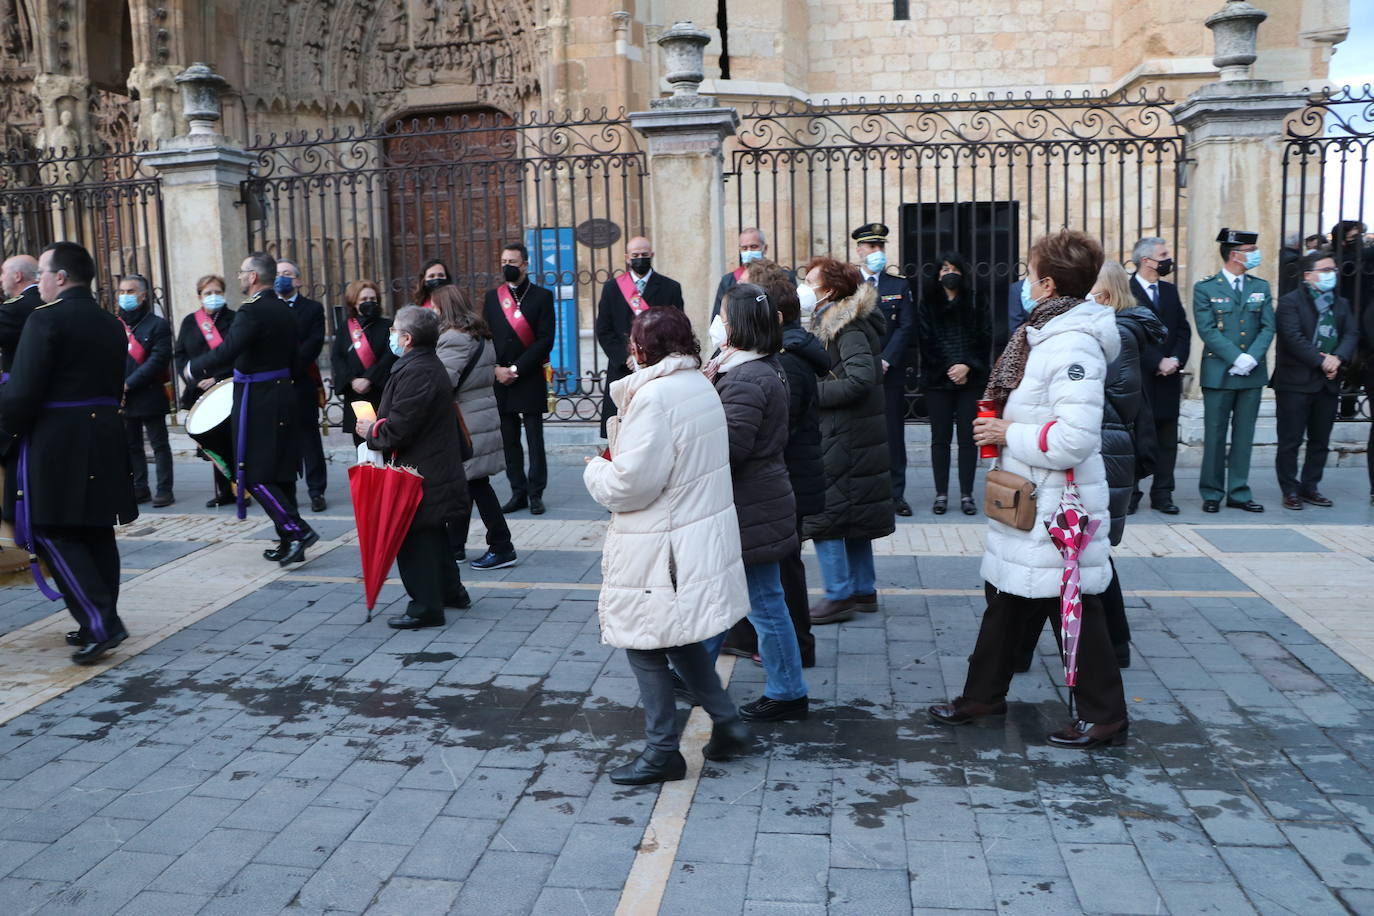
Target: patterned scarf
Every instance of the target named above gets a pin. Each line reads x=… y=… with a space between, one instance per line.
x=1324 y=336
x=1011 y=365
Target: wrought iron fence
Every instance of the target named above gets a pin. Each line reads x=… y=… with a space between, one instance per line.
x=981 y=176
x=1328 y=193
x=378 y=203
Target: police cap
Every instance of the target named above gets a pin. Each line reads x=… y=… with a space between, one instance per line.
x=1237 y=237
x=870 y=232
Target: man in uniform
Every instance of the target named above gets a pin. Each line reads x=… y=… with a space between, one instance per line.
x=523 y=324
x=147 y=370
x=894 y=298
x=305 y=378
x=19 y=282
x=261 y=345
x=67 y=485
x=634 y=291
x=1161 y=364
x=1235 y=319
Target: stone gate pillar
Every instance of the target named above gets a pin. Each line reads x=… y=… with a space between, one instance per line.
x=686 y=132
x=202 y=173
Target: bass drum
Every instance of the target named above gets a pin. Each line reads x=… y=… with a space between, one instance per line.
x=14 y=559
x=209 y=423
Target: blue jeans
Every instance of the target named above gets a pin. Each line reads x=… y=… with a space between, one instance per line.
x=846 y=567
x=777 y=638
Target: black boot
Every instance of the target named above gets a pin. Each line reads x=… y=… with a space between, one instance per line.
x=728 y=739
x=649 y=767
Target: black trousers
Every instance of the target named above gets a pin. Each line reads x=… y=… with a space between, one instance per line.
x=278 y=500
x=793 y=574
x=489 y=507
x=894 y=406
x=429 y=573
x=950 y=412
x=312 y=448
x=1099 y=696
x=1113 y=612
x=224 y=490
x=1166 y=458
x=1302 y=414
x=85 y=566
x=520 y=484
x=162 y=452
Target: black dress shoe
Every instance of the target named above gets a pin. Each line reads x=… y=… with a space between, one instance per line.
x=217 y=501
x=295 y=551
x=767 y=709
x=941 y=505
x=902 y=507
x=1316 y=499
x=493 y=560
x=650 y=767
x=1291 y=501
x=1211 y=505
x=1249 y=505
x=276 y=553
x=93 y=652
x=163 y=500
x=76 y=638
x=960 y=711
x=462 y=601
x=460 y=554
x=731 y=739
x=515 y=504
x=1084 y=736
x=537 y=505
x=967 y=505
x=1165 y=506
x=404 y=622
x=1123 y=657
x=682 y=691
x=317 y=504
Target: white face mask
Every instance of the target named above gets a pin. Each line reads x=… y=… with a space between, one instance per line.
x=718 y=334
x=807 y=296
x=631 y=362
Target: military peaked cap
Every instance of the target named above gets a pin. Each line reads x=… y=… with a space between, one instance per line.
x=870 y=232
x=1237 y=237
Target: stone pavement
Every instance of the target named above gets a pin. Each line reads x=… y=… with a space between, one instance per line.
x=261 y=749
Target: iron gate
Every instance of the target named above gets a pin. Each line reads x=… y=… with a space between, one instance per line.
x=1328 y=191
x=378 y=203
x=982 y=176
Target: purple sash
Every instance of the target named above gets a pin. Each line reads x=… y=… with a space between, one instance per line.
x=23 y=529
x=246 y=379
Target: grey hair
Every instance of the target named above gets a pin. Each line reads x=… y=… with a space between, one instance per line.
x=294 y=266
x=420 y=323
x=141 y=280
x=1144 y=246
x=763 y=239
x=264 y=265
x=24 y=265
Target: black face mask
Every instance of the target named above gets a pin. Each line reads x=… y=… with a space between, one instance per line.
x=641 y=265
x=952 y=281
x=1164 y=267
x=369 y=310
x=510 y=273
x=434 y=283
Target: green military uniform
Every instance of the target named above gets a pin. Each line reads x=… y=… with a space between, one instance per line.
x=1231 y=322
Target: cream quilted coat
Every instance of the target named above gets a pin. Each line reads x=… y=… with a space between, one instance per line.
x=671 y=567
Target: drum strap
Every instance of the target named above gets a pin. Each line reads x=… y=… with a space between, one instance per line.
x=247 y=380
x=23 y=527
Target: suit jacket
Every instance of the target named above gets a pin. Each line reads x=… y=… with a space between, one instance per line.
x=530 y=392
x=71 y=350
x=191 y=343
x=728 y=282
x=147 y=383
x=1297 y=363
x=1165 y=392
x=262 y=339
x=309 y=316
x=894 y=301
x=1230 y=325
x=14 y=311
x=613 y=320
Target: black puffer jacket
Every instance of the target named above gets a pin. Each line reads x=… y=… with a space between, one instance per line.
x=804 y=360
x=858 y=484
x=754 y=395
x=1126 y=412
x=952 y=332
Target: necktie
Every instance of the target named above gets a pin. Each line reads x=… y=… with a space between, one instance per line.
x=639 y=284
x=873 y=281
x=1154 y=296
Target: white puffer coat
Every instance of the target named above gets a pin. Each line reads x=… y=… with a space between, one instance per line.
x=671 y=568
x=1063 y=383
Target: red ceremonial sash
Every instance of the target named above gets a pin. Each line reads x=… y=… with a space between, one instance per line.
x=632 y=295
x=360 y=344
x=514 y=316
x=208 y=329
x=136 y=350
x=739 y=274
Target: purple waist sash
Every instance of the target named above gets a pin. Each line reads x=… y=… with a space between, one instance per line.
x=247 y=379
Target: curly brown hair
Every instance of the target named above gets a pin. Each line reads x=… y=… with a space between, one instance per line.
x=663 y=330
x=840 y=278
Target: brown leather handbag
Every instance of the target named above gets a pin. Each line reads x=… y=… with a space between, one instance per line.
x=1010 y=499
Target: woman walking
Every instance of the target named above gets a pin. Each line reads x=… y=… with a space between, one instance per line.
x=955 y=333
x=858 y=487
x=1049 y=385
x=672 y=573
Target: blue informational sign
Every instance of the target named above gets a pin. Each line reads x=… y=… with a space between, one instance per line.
x=553 y=266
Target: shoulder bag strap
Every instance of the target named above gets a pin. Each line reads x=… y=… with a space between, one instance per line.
x=472 y=363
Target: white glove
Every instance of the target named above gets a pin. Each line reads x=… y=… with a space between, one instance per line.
x=1244 y=364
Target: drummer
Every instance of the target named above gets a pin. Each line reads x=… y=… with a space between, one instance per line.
x=202 y=331
x=261 y=345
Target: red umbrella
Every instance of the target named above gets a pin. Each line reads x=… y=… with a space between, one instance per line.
x=1071 y=529
x=384 y=502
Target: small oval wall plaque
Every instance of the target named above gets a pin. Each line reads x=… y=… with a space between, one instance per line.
x=597 y=233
